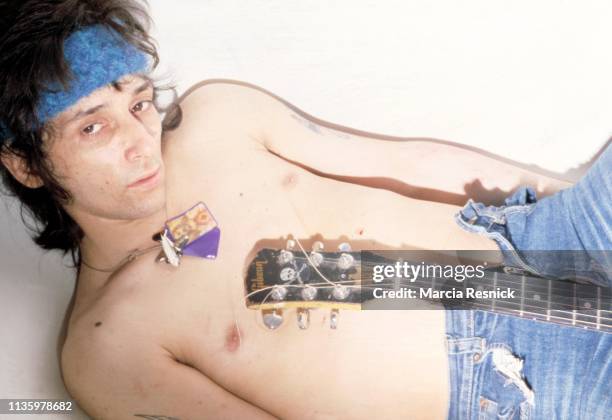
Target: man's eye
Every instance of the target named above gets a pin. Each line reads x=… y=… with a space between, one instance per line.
x=89 y=130
x=142 y=106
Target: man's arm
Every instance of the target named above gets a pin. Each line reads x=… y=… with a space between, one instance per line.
x=119 y=379
x=421 y=168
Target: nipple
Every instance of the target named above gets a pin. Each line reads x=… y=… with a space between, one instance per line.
x=233 y=338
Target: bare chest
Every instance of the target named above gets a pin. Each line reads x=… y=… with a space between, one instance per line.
x=259 y=204
x=198 y=311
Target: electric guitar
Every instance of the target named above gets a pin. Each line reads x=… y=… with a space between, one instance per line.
x=292 y=278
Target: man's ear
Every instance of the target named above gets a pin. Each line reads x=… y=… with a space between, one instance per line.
x=17 y=166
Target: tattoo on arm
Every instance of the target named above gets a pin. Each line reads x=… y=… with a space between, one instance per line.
x=155 y=417
x=317 y=128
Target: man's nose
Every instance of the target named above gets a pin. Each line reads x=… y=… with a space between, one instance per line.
x=138 y=140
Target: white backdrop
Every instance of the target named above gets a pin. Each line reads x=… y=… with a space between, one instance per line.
x=526 y=80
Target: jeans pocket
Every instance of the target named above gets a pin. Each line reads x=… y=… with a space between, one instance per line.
x=504 y=394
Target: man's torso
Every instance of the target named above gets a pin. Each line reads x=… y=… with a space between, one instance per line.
x=197 y=311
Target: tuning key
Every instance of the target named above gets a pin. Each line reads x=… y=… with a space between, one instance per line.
x=333 y=318
x=309 y=292
x=345 y=261
x=344 y=247
x=278 y=292
x=317 y=246
x=284 y=257
x=303 y=318
x=316 y=258
x=341 y=292
x=272 y=318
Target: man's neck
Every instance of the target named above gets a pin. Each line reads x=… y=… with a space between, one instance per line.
x=107 y=242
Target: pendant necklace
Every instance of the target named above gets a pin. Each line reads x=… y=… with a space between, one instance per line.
x=194 y=232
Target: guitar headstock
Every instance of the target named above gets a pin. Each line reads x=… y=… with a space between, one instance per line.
x=293 y=277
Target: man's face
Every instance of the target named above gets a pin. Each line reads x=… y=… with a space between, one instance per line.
x=98 y=153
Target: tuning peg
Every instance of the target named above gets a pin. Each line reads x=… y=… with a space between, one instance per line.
x=272 y=318
x=309 y=292
x=317 y=246
x=344 y=247
x=278 y=292
x=345 y=261
x=333 y=318
x=284 y=257
x=316 y=258
x=290 y=246
x=303 y=318
x=341 y=292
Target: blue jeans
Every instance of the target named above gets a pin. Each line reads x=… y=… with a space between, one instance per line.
x=505 y=367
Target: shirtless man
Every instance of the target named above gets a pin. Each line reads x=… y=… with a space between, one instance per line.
x=152 y=340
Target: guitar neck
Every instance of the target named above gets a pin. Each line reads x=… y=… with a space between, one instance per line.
x=542 y=299
x=346 y=280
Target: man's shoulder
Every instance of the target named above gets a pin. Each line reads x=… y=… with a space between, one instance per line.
x=222 y=90
x=229 y=105
x=228 y=95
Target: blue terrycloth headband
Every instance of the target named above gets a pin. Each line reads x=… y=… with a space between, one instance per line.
x=97 y=56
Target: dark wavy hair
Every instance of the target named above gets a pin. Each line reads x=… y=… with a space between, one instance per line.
x=32 y=35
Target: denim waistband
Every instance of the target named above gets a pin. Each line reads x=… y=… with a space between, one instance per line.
x=575 y=219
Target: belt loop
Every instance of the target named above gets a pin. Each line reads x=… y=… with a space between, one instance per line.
x=465 y=345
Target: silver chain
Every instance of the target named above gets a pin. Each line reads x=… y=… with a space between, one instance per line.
x=129 y=258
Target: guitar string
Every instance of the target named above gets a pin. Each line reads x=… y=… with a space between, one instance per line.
x=559 y=282
x=416 y=287
x=556 y=285
x=412 y=283
x=536 y=316
x=270 y=288
x=313 y=265
x=489 y=287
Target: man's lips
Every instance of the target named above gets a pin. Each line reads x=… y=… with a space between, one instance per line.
x=145 y=178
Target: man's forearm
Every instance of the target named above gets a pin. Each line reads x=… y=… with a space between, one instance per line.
x=442 y=168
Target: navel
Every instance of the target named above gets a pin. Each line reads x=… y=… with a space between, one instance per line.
x=233 y=338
